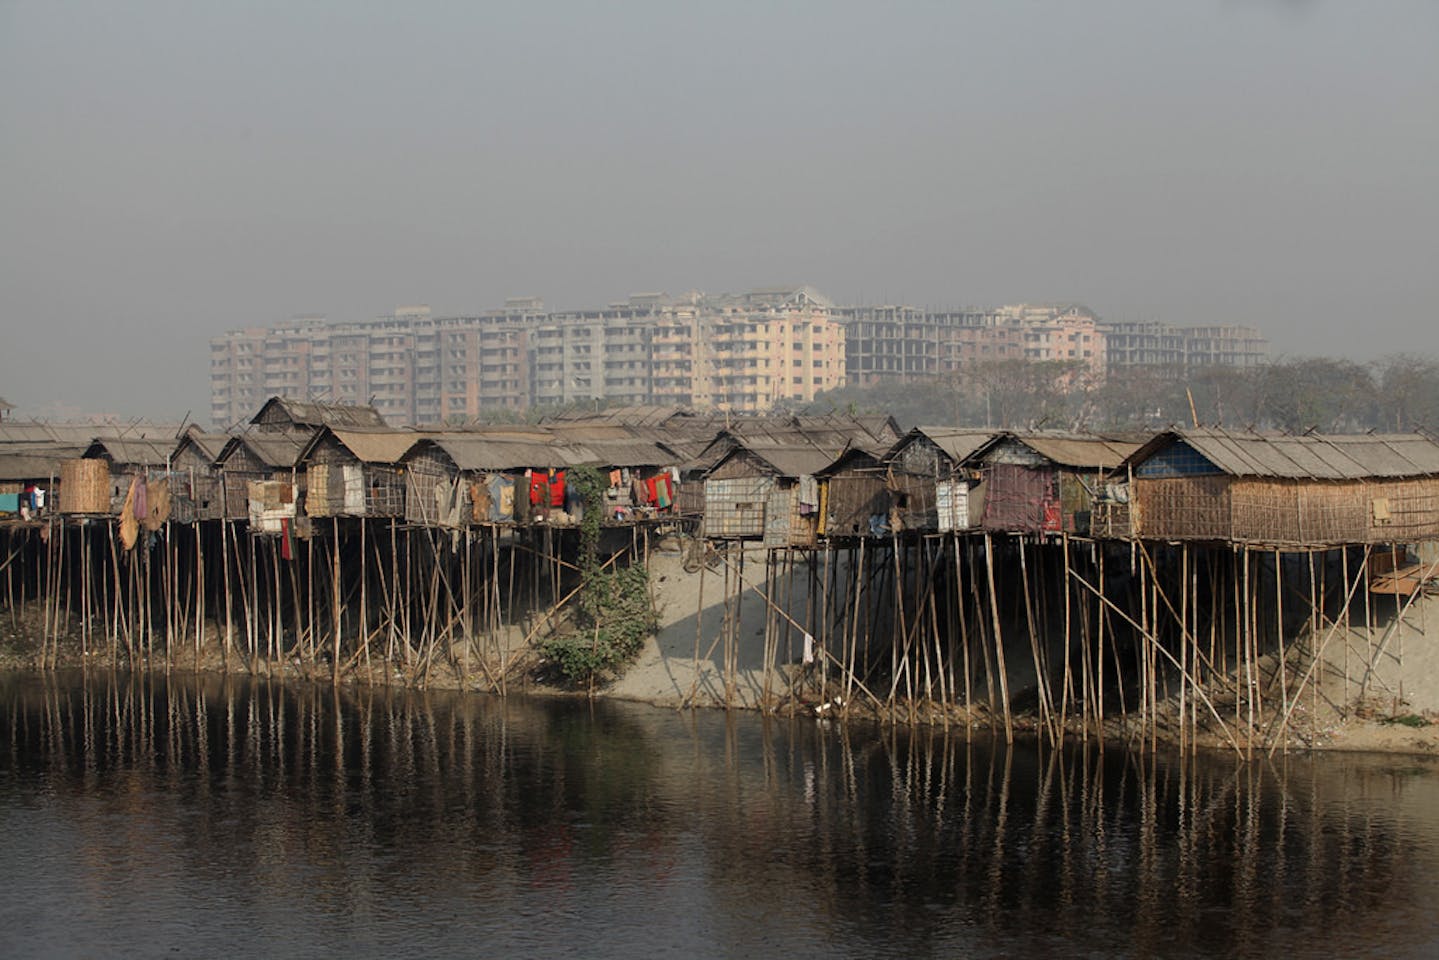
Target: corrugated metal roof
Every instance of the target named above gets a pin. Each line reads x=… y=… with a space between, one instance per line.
x=1070 y=450
x=1308 y=457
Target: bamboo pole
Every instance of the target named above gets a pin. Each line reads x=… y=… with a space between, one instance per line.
x=998 y=637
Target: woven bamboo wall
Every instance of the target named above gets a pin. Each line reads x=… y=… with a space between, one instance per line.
x=1279 y=511
x=735 y=507
x=1110 y=520
x=852 y=499
x=84 y=486
x=195 y=486
x=384 y=488
x=1413 y=507
x=1181 y=508
x=914 y=502
x=1293 y=512
x=1335 y=512
x=423 y=472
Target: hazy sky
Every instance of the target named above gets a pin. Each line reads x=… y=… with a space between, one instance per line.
x=175 y=170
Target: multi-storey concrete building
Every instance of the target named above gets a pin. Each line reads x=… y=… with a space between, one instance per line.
x=1153 y=343
x=742 y=352
x=904 y=343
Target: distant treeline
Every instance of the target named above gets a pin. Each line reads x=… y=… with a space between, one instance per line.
x=1399 y=393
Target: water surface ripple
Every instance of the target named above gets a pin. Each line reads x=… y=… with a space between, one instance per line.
x=218 y=817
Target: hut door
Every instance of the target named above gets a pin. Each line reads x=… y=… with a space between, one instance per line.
x=354 y=490
x=951 y=500
x=776 y=516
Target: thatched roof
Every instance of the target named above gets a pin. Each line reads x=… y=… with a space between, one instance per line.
x=477 y=453
x=473 y=451
x=208 y=445
x=34 y=461
x=312 y=413
x=1079 y=450
x=149 y=453
x=34 y=431
x=278 y=450
x=369 y=446
x=957 y=443
x=784 y=460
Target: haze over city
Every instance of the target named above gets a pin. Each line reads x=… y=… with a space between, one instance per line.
x=176 y=170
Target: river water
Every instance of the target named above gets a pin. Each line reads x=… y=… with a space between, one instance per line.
x=225 y=817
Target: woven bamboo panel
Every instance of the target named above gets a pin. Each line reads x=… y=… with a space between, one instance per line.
x=914 y=502
x=1182 y=508
x=318 y=499
x=1412 y=507
x=735 y=508
x=84 y=486
x=851 y=501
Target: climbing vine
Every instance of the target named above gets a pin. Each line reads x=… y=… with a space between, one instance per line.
x=613 y=612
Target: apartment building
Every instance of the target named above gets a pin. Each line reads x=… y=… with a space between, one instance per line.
x=906 y=343
x=743 y=352
x=1151 y=342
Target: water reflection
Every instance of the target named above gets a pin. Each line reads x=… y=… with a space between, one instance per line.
x=211 y=816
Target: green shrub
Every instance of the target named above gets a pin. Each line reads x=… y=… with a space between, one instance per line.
x=613 y=612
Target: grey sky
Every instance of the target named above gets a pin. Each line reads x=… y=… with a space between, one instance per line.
x=174 y=170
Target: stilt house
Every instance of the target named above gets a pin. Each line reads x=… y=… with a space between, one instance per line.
x=930 y=485
x=1304 y=492
x=356 y=473
x=1046 y=483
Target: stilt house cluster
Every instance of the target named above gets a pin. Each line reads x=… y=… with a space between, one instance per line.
x=1132 y=566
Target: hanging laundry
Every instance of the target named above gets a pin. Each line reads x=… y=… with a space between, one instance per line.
x=639 y=492
x=557 y=489
x=480 y=501
x=616 y=478
x=502 y=499
x=286 y=549
x=652 y=494
x=142 y=511
x=129 y=526
x=808 y=493
x=662 y=492
x=539 y=489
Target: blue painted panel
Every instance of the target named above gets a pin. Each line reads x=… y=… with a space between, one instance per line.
x=1178 y=459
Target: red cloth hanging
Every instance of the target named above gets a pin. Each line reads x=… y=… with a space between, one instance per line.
x=557 y=488
x=539 y=490
x=286 y=551
x=651 y=493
